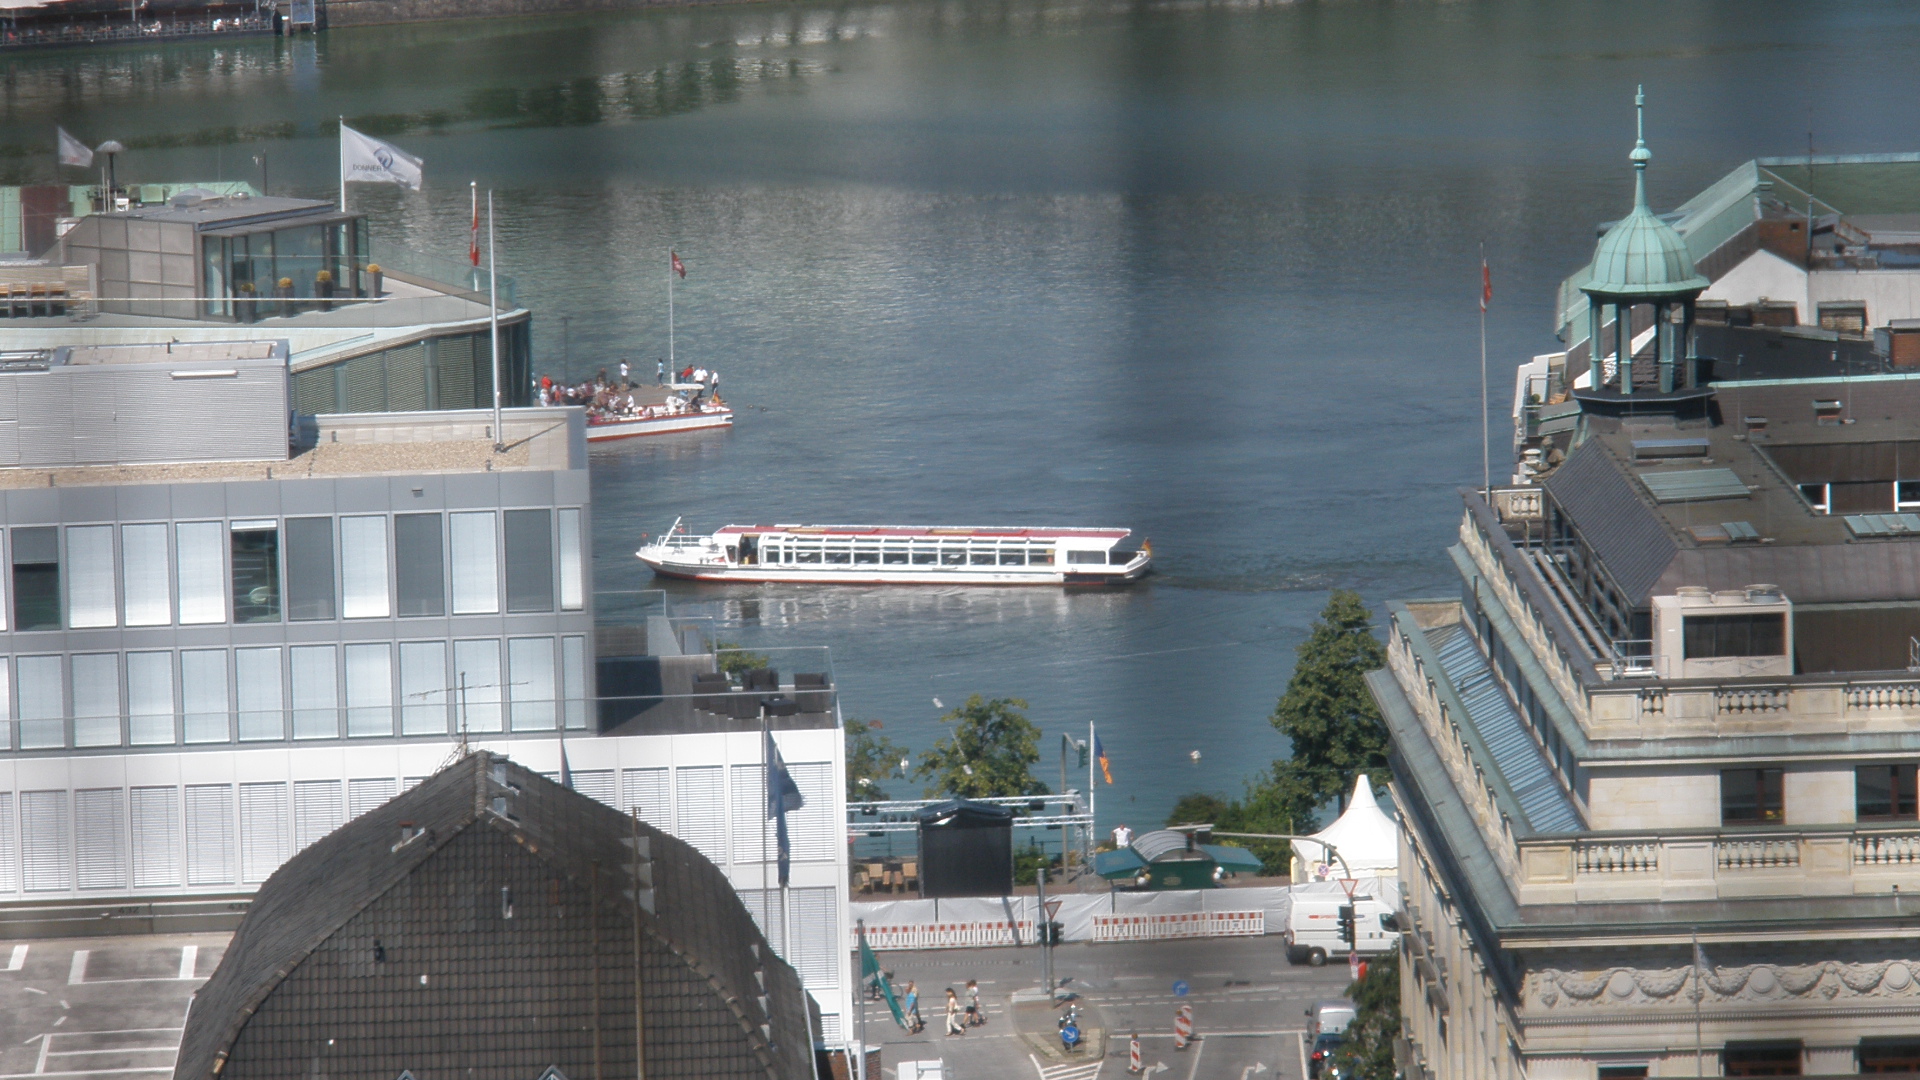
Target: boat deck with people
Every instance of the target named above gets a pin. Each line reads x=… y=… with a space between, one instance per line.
x=899 y=554
x=623 y=411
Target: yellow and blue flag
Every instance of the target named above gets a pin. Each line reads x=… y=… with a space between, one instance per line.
x=1100 y=755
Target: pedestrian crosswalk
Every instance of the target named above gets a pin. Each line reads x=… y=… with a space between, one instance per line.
x=1078 y=1070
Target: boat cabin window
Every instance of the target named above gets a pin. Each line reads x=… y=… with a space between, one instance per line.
x=1013 y=557
x=925 y=558
x=1086 y=556
x=894 y=558
x=867 y=558
x=806 y=556
x=841 y=557
x=1120 y=558
x=953 y=556
x=981 y=558
x=1040 y=557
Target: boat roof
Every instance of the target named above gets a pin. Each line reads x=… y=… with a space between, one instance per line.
x=930 y=531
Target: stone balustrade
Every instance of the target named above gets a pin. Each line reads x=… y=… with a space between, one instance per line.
x=1802 y=704
x=1844 y=860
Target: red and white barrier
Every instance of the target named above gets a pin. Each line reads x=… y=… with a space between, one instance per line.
x=1172 y=926
x=950 y=935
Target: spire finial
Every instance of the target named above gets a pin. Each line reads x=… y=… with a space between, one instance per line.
x=1641 y=155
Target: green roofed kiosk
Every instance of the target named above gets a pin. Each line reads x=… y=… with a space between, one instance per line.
x=1169 y=859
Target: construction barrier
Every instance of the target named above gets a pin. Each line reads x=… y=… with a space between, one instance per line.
x=1169 y=927
x=950 y=935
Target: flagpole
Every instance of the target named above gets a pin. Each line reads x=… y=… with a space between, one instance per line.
x=343 y=164
x=670 y=362
x=1486 y=422
x=859 y=1071
x=493 y=329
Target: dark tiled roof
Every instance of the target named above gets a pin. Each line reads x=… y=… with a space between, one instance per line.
x=1612 y=514
x=1548 y=808
x=469 y=953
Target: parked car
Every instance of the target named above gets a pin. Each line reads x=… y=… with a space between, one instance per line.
x=1320 y=1062
x=1330 y=1017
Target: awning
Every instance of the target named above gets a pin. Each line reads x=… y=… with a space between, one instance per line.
x=1234 y=860
x=1124 y=863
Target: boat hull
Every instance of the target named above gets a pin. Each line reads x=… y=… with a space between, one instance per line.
x=658 y=425
x=876 y=575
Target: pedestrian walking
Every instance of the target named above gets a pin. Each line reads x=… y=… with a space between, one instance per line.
x=912 y=1008
x=975 y=1015
x=659 y=371
x=953 y=1014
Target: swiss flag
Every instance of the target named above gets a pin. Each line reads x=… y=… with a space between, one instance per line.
x=473 y=235
x=1486 y=285
x=678 y=266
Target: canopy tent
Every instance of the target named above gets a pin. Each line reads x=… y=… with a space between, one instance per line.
x=1367 y=840
x=1171 y=859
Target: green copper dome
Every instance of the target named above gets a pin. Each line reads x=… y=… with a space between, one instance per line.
x=1642 y=257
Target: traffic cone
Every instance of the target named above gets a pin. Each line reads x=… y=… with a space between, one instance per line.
x=1133 y=1053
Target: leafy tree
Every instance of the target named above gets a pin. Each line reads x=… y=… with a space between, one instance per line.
x=1367 y=1053
x=1257 y=812
x=734 y=660
x=991 y=752
x=1027 y=862
x=871 y=757
x=1326 y=712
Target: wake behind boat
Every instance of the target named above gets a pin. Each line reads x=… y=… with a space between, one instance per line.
x=899 y=554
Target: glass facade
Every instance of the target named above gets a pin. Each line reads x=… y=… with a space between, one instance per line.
x=242 y=271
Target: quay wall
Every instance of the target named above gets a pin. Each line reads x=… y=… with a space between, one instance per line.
x=340 y=13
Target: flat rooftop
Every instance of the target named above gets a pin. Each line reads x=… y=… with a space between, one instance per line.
x=365 y=444
x=232 y=211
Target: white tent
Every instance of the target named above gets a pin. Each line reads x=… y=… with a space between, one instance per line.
x=1367 y=840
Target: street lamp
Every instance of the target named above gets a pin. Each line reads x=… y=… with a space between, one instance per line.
x=110 y=148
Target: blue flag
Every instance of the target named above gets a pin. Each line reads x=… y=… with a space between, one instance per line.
x=782 y=795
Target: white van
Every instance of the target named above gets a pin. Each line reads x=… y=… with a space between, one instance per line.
x=1313 y=929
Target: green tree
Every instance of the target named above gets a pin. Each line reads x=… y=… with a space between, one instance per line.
x=1199 y=808
x=1257 y=812
x=1367 y=1053
x=1327 y=713
x=871 y=758
x=734 y=660
x=991 y=752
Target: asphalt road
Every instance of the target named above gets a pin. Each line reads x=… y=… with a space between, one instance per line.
x=1248 y=1004
x=99 y=1009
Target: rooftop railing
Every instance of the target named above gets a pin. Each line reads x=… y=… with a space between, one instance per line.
x=1840 y=860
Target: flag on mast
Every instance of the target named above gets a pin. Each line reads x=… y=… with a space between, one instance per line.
x=1486 y=284
x=782 y=795
x=678 y=266
x=367 y=160
x=73 y=151
x=1100 y=755
x=473 y=236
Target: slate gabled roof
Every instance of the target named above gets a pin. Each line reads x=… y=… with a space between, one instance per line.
x=697 y=915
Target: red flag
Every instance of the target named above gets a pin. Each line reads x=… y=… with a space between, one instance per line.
x=678 y=266
x=1486 y=285
x=473 y=237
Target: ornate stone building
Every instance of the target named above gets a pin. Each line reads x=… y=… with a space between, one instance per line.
x=1656 y=762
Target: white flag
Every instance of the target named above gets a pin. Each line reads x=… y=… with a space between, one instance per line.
x=73 y=151
x=364 y=159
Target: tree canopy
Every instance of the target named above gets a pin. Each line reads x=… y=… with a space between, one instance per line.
x=991 y=752
x=1367 y=1052
x=871 y=758
x=1256 y=812
x=1327 y=713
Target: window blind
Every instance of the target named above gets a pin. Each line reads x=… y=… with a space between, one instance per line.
x=96 y=699
x=700 y=810
x=369 y=689
x=476 y=679
x=316 y=692
x=423 y=688
x=100 y=834
x=45 y=844
x=318 y=809
x=476 y=574
x=258 y=691
x=150 y=698
x=530 y=675
x=647 y=789
x=90 y=595
x=210 y=834
x=363 y=568
x=203 y=693
x=263 y=830
x=143 y=575
x=572 y=578
x=200 y=566
x=156 y=836
x=43 y=706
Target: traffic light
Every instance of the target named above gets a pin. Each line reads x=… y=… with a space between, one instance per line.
x=1346 y=924
x=1050 y=933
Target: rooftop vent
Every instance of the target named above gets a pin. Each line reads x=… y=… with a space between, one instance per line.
x=1741 y=532
x=1693 y=485
x=1669 y=448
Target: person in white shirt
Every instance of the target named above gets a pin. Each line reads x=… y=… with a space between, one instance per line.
x=1122 y=836
x=623 y=373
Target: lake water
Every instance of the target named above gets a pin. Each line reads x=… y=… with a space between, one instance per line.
x=1205 y=270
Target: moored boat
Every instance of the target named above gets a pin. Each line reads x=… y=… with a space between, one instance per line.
x=660 y=419
x=899 y=554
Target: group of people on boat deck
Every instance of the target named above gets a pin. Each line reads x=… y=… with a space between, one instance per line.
x=606 y=398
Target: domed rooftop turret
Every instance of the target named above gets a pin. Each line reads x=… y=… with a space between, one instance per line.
x=1642 y=257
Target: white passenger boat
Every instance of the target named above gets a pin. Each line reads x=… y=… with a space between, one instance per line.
x=903 y=554
x=674 y=414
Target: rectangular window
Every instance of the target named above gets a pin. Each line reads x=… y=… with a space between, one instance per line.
x=363 y=568
x=842 y=557
x=866 y=558
x=573 y=680
x=807 y=556
x=43 y=706
x=573 y=580
x=310 y=568
x=209 y=834
x=894 y=558
x=476 y=682
x=423 y=687
x=90 y=598
x=1709 y=636
x=36 y=578
x=1013 y=556
x=200 y=567
x=530 y=671
x=316 y=692
x=1883 y=793
x=1082 y=557
x=529 y=561
x=156 y=836
x=1816 y=496
x=925 y=558
x=150 y=698
x=953 y=556
x=1761 y=1059
x=143 y=575
x=369 y=690
x=419 y=566
x=257 y=684
x=1751 y=796
x=256 y=571
x=96 y=699
x=980 y=557
x=1040 y=557
x=1906 y=495
x=203 y=695
x=476 y=572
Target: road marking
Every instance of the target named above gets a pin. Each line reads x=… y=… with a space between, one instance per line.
x=1199 y=1047
x=112 y=1050
x=60 y=1021
x=1086 y=1070
x=33 y=990
x=40 y=1062
x=189 y=955
x=19 y=958
x=1302 y=1036
x=77 y=974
